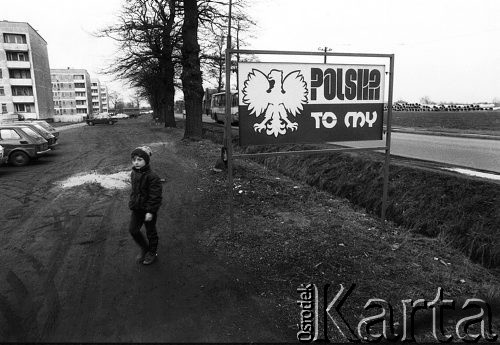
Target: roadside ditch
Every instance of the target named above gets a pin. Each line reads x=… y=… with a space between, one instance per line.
x=461 y=210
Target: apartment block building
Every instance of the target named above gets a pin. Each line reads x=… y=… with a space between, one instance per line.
x=72 y=92
x=25 y=85
x=100 y=103
x=96 y=96
x=104 y=98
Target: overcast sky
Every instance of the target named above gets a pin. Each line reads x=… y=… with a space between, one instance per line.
x=447 y=50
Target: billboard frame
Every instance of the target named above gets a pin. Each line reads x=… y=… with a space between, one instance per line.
x=227 y=128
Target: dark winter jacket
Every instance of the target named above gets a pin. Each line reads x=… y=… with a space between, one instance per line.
x=146 y=194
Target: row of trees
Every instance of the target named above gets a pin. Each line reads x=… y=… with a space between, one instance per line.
x=160 y=51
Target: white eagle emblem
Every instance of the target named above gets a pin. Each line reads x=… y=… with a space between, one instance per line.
x=276 y=97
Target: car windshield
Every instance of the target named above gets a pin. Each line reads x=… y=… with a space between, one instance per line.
x=37 y=125
x=31 y=132
x=45 y=125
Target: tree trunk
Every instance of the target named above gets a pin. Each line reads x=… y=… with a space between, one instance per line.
x=167 y=91
x=191 y=72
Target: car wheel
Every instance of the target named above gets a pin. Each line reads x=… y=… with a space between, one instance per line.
x=18 y=158
x=91 y=123
x=110 y=122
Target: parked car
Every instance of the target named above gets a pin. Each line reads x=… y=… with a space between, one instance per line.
x=47 y=127
x=3 y=157
x=120 y=116
x=51 y=139
x=101 y=119
x=21 y=144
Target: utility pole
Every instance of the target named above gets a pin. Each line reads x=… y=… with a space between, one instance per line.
x=238 y=54
x=325 y=49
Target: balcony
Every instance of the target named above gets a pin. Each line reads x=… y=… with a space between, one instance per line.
x=81 y=98
x=22 y=47
x=18 y=64
x=23 y=99
x=81 y=106
x=21 y=82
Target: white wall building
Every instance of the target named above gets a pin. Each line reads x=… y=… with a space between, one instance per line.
x=104 y=98
x=25 y=85
x=96 y=96
x=72 y=94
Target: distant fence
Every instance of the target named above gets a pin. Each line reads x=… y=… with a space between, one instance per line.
x=439 y=107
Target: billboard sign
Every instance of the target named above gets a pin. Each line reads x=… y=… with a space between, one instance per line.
x=309 y=103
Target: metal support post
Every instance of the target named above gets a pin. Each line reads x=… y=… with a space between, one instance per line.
x=387 y=142
x=229 y=144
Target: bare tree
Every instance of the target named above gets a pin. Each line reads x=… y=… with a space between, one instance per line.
x=113 y=99
x=191 y=71
x=149 y=34
x=215 y=31
x=213 y=58
x=211 y=16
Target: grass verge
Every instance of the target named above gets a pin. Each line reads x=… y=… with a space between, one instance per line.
x=287 y=232
x=461 y=210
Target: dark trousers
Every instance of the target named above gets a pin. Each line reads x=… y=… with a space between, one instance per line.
x=136 y=221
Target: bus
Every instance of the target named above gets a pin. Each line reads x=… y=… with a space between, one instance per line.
x=218 y=107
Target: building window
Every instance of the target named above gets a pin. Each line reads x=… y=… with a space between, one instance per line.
x=17 y=56
x=78 y=77
x=2 y=91
x=80 y=85
x=6 y=134
x=22 y=91
x=1 y=73
x=19 y=73
x=14 y=38
x=4 y=108
x=81 y=111
x=80 y=94
x=80 y=102
x=24 y=107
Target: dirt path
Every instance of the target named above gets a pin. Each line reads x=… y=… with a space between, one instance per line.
x=68 y=270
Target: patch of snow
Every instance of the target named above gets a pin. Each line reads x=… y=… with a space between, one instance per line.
x=474 y=173
x=119 y=180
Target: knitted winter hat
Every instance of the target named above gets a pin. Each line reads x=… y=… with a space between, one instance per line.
x=142 y=151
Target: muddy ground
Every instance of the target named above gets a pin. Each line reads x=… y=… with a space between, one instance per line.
x=68 y=272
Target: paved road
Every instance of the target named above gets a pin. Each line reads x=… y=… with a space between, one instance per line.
x=480 y=154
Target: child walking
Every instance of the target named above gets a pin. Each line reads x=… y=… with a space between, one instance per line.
x=145 y=200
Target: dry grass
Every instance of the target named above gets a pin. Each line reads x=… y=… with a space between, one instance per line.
x=287 y=232
x=426 y=202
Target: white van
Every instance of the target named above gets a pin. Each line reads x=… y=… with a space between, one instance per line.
x=218 y=107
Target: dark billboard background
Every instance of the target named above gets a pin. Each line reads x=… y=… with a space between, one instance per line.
x=307 y=131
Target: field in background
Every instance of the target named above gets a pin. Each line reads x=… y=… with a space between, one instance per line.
x=487 y=122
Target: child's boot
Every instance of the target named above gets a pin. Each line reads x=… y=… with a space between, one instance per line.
x=141 y=255
x=149 y=258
